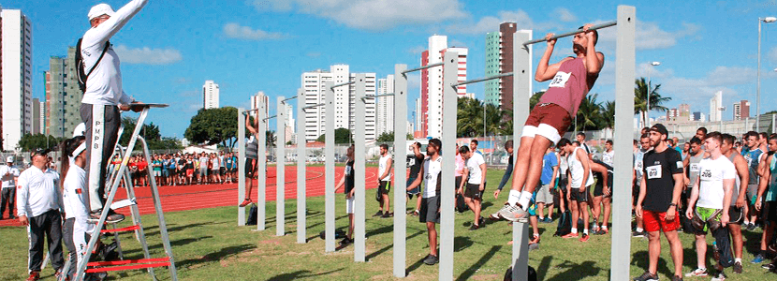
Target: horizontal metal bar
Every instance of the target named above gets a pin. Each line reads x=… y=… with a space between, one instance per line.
x=378 y=96
x=312 y=106
x=291 y=98
x=342 y=84
x=484 y=79
x=268 y=118
x=422 y=68
x=595 y=27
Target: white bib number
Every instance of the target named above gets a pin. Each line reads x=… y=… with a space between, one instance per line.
x=560 y=80
x=639 y=165
x=654 y=172
x=694 y=167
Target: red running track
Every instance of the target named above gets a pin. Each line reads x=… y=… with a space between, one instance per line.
x=191 y=197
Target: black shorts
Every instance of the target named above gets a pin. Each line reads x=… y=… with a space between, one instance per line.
x=250 y=169
x=562 y=184
x=578 y=196
x=171 y=172
x=430 y=208
x=473 y=191
x=599 y=191
x=384 y=187
x=458 y=182
x=769 y=212
x=735 y=215
x=222 y=171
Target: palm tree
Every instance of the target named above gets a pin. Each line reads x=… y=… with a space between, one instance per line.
x=608 y=112
x=640 y=99
x=470 y=117
x=589 y=114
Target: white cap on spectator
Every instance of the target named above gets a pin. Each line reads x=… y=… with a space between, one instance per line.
x=99 y=10
x=9 y=159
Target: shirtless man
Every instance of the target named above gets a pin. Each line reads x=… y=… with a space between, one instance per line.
x=572 y=78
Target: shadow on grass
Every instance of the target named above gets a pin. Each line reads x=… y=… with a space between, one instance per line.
x=154 y=230
x=384 y=249
x=173 y=243
x=301 y=274
x=414 y=266
x=542 y=269
x=575 y=271
x=216 y=256
x=461 y=242
x=483 y=260
x=666 y=267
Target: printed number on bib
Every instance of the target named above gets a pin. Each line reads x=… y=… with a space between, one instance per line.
x=706 y=175
x=695 y=167
x=654 y=172
x=560 y=80
x=639 y=165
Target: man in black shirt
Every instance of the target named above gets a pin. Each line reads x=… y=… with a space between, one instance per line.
x=414 y=161
x=508 y=171
x=660 y=189
x=348 y=181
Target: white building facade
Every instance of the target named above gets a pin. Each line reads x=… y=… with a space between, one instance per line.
x=16 y=84
x=385 y=106
x=210 y=95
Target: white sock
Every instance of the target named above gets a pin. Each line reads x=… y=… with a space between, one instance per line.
x=604 y=227
x=639 y=229
x=514 y=197
x=739 y=260
x=574 y=230
x=585 y=231
x=525 y=199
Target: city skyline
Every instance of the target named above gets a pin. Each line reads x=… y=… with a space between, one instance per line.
x=168 y=49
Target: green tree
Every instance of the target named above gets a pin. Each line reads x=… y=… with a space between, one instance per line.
x=342 y=136
x=150 y=132
x=589 y=114
x=640 y=99
x=214 y=126
x=470 y=117
x=30 y=142
x=535 y=99
x=389 y=137
x=608 y=114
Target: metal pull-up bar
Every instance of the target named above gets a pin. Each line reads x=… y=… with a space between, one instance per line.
x=422 y=68
x=364 y=99
x=268 y=118
x=288 y=99
x=312 y=106
x=483 y=79
x=595 y=27
x=342 y=84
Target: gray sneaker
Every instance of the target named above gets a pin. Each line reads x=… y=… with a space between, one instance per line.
x=431 y=260
x=647 y=276
x=513 y=213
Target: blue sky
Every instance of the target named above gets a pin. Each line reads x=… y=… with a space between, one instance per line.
x=171 y=47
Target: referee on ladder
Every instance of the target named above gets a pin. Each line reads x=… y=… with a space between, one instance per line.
x=103 y=96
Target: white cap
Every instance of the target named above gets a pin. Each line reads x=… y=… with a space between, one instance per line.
x=99 y=10
x=80 y=130
x=9 y=159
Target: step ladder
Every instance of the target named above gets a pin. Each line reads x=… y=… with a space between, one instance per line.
x=116 y=176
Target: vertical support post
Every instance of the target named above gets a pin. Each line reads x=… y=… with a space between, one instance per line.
x=774 y=123
x=624 y=111
x=329 y=154
x=522 y=92
x=280 y=168
x=241 y=156
x=301 y=159
x=449 y=114
x=261 y=166
x=359 y=169
x=400 y=169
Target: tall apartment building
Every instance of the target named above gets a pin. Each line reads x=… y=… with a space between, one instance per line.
x=385 y=106
x=260 y=97
x=63 y=97
x=15 y=77
x=741 y=110
x=210 y=95
x=38 y=115
x=716 y=103
x=314 y=85
x=684 y=112
x=698 y=116
x=432 y=83
x=499 y=59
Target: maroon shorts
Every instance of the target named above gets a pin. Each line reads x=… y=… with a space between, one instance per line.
x=655 y=221
x=548 y=120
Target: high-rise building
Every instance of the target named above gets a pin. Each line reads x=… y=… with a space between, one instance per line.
x=418 y=116
x=684 y=112
x=210 y=95
x=716 y=105
x=499 y=59
x=36 y=116
x=672 y=114
x=15 y=77
x=63 y=97
x=314 y=85
x=260 y=97
x=741 y=110
x=432 y=83
x=385 y=106
x=698 y=116
x=289 y=127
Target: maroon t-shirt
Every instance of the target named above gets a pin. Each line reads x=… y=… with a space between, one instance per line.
x=569 y=87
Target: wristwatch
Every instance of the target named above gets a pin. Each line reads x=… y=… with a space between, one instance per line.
x=673 y=204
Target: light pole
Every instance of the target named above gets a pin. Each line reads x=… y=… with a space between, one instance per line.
x=647 y=110
x=720 y=116
x=758 y=85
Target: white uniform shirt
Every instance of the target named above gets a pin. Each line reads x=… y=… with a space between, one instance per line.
x=37 y=193
x=473 y=167
x=608 y=157
x=576 y=170
x=8 y=173
x=383 y=165
x=432 y=169
x=75 y=205
x=712 y=173
x=104 y=86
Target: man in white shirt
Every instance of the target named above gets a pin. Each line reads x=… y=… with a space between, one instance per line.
x=104 y=97
x=384 y=182
x=473 y=184
x=430 y=176
x=38 y=206
x=711 y=195
x=608 y=156
x=9 y=174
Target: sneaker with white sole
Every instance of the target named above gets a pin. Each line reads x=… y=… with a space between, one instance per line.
x=647 y=276
x=699 y=272
x=719 y=277
x=513 y=213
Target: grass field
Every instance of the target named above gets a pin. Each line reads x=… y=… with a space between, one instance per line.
x=208 y=245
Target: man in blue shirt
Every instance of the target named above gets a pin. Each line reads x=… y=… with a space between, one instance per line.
x=547 y=180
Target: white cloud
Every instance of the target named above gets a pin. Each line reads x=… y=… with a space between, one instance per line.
x=457 y=43
x=729 y=79
x=148 y=55
x=491 y=23
x=650 y=36
x=772 y=55
x=236 y=31
x=564 y=15
x=373 y=15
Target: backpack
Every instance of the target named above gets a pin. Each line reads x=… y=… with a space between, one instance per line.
x=564 y=224
x=252 y=215
x=461 y=206
x=81 y=75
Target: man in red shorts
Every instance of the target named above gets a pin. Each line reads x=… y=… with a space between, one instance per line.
x=571 y=79
x=659 y=192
